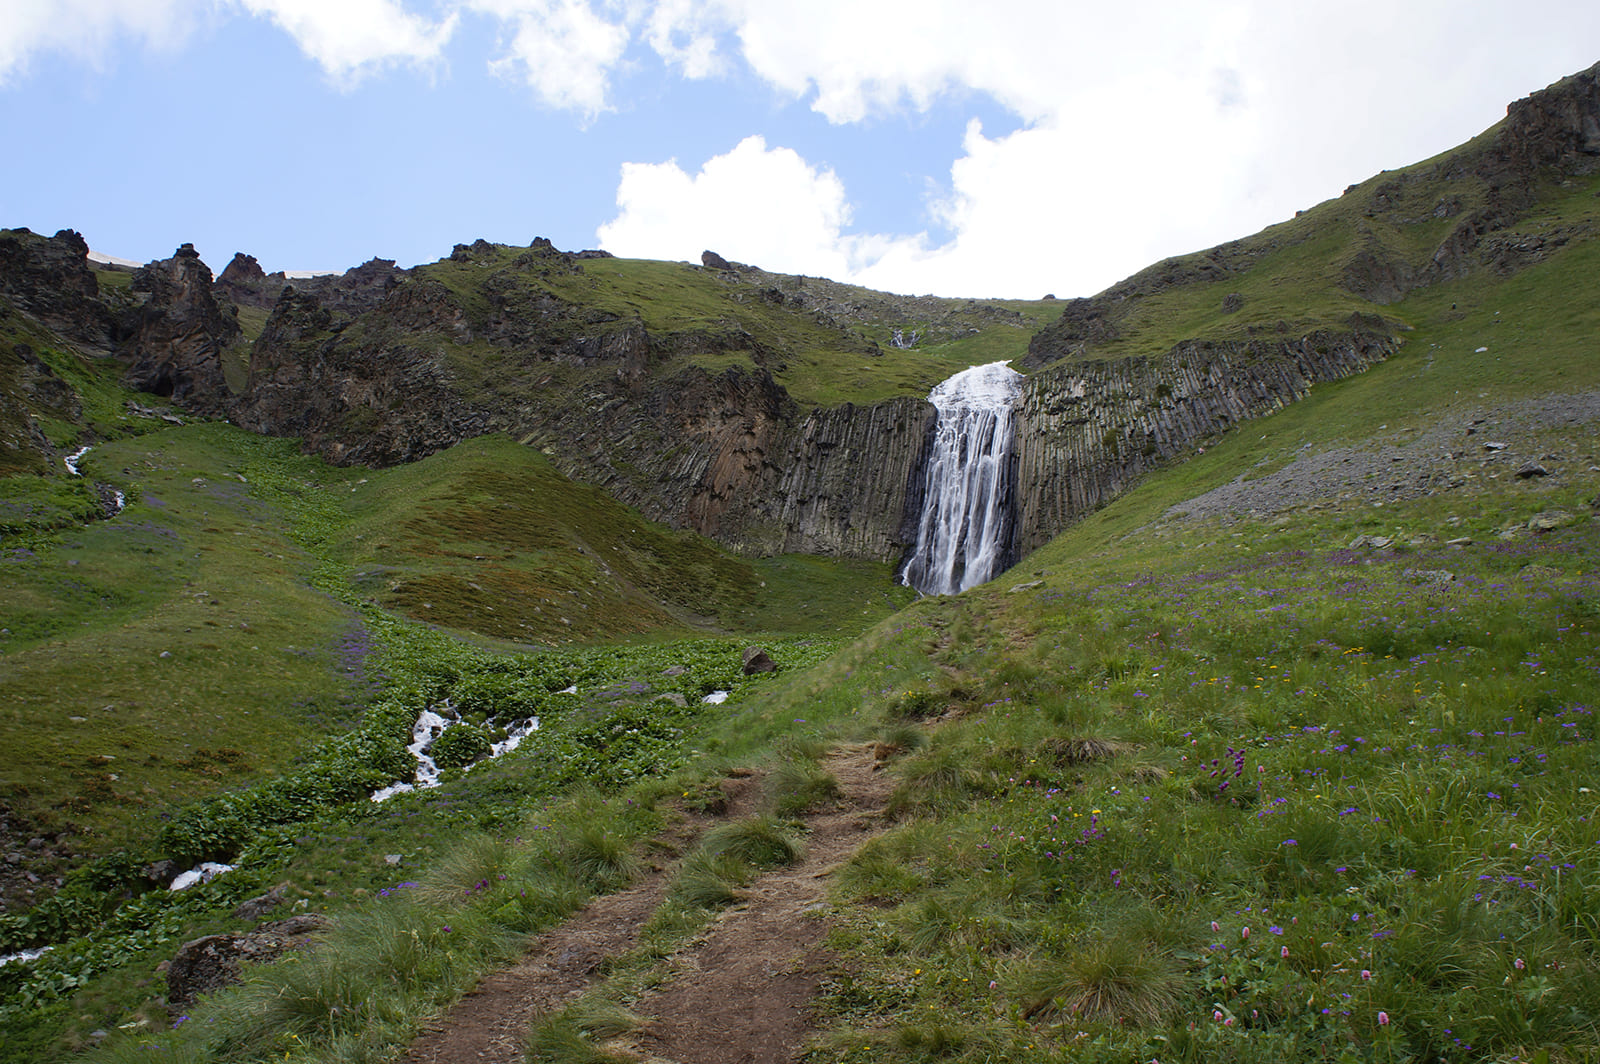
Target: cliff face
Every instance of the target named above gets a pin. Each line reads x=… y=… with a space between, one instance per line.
x=1087 y=430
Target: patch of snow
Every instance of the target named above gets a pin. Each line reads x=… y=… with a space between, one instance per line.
x=111 y=260
x=716 y=698
x=207 y=871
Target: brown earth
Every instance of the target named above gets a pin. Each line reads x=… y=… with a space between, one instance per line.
x=738 y=995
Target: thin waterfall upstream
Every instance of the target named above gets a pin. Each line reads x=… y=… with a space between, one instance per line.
x=964 y=533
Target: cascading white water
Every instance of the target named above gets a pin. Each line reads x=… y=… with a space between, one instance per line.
x=965 y=528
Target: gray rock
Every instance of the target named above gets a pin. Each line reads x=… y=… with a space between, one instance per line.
x=1549 y=520
x=1532 y=469
x=257 y=907
x=1430 y=578
x=204 y=965
x=1029 y=586
x=756 y=660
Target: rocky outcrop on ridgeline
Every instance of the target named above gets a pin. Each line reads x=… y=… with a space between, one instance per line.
x=179 y=334
x=1087 y=430
x=354 y=292
x=379 y=400
x=50 y=279
x=1551 y=134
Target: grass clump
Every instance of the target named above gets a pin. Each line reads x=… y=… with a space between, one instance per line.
x=761 y=842
x=797 y=785
x=599 y=857
x=571 y=1035
x=1108 y=981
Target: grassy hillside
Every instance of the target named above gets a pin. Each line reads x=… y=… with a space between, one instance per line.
x=1183 y=730
x=1308 y=776
x=826 y=343
x=1371 y=252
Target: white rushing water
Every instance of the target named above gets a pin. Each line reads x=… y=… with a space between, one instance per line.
x=430 y=726
x=25 y=956
x=75 y=459
x=964 y=532
x=206 y=871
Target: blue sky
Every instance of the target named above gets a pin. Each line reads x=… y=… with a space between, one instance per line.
x=1007 y=149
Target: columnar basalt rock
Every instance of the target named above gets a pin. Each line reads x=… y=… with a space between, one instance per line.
x=1087 y=430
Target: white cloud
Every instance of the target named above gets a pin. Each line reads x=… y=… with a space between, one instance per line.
x=1150 y=128
x=765 y=206
x=564 y=50
x=87 y=28
x=351 y=38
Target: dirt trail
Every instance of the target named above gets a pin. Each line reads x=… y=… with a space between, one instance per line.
x=738 y=996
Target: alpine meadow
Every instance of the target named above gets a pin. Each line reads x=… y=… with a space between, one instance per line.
x=539 y=655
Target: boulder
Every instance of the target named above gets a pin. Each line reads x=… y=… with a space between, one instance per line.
x=208 y=964
x=756 y=660
x=257 y=907
x=1436 y=579
x=1549 y=521
x=712 y=261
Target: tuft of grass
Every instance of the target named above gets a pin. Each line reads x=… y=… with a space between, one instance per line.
x=797 y=785
x=570 y=1036
x=760 y=841
x=599 y=857
x=710 y=880
x=1108 y=981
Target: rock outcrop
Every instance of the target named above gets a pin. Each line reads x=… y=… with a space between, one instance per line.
x=378 y=401
x=50 y=278
x=1086 y=431
x=180 y=334
x=205 y=965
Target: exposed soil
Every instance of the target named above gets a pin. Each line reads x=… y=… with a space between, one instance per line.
x=738 y=995
x=490 y=1024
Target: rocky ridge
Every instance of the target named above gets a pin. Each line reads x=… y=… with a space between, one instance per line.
x=381 y=365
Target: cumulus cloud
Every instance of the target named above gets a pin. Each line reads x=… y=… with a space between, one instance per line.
x=86 y=28
x=351 y=38
x=564 y=50
x=1149 y=128
x=765 y=206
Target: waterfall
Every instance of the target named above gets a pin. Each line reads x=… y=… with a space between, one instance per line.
x=964 y=533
